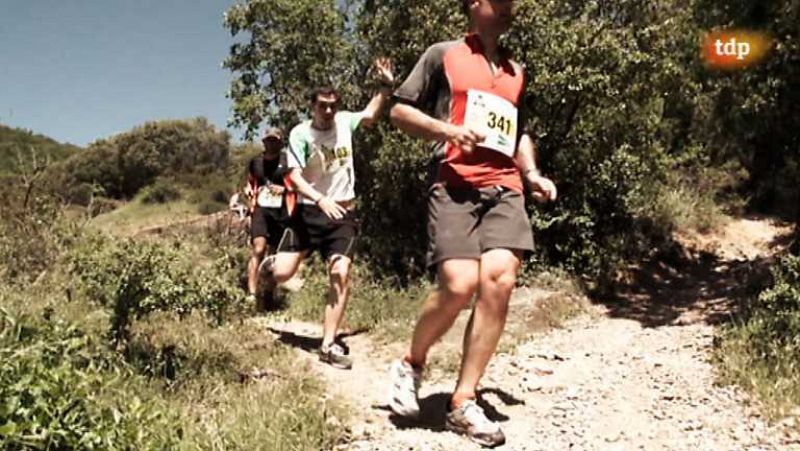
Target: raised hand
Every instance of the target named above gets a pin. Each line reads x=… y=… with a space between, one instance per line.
x=384 y=69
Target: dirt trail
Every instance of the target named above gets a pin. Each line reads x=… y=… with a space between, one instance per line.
x=632 y=373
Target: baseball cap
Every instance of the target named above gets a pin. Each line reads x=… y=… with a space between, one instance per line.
x=272 y=132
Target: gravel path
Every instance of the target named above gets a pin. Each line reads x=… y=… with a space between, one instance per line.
x=631 y=374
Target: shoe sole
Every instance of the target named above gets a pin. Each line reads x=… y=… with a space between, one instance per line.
x=463 y=431
x=399 y=410
x=340 y=366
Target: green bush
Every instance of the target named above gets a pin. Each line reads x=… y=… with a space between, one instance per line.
x=777 y=315
x=762 y=352
x=160 y=192
x=134 y=279
x=32 y=236
x=125 y=163
x=56 y=392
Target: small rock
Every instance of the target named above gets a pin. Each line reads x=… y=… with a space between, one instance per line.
x=613 y=437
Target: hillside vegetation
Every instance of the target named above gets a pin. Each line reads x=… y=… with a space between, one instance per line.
x=16 y=145
x=115 y=342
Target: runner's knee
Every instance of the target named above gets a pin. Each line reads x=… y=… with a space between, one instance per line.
x=259 y=252
x=462 y=288
x=503 y=281
x=339 y=269
x=282 y=271
x=259 y=247
x=282 y=274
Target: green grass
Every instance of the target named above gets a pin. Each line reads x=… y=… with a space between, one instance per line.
x=775 y=383
x=381 y=307
x=135 y=216
x=761 y=351
x=207 y=402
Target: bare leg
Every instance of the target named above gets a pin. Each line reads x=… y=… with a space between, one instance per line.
x=337 y=297
x=458 y=280
x=285 y=265
x=498 y=271
x=259 y=249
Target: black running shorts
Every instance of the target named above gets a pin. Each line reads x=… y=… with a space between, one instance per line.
x=310 y=229
x=267 y=223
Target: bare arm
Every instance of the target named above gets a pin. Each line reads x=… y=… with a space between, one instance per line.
x=526 y=155
x=383 y=67
x=373 y=110
x=302 y=186
x=544 y=189
x=418 y=124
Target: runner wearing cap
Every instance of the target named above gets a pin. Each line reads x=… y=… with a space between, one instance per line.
x=465 y=95
x=265 y=189
x=320 y=161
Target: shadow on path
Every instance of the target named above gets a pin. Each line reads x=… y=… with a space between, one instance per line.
x=310 y=343
x=690 y=286
x=433 y=410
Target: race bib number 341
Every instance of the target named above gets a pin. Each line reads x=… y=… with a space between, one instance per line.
x=495 y=117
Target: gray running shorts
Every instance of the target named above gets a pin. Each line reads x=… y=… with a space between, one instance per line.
x=465 y=223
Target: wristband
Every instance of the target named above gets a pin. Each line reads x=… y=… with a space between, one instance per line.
x=385 y=84
x=534 y=170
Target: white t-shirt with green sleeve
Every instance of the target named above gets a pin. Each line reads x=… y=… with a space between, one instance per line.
x=326 y=156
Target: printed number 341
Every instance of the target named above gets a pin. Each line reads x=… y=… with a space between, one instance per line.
x=499 y=122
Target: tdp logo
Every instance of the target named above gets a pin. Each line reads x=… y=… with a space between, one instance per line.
x=734 y=49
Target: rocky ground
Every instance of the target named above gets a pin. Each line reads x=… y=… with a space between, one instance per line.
x=632 y=372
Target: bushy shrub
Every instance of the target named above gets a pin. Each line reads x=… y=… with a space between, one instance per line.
x=134 y=279
x=56 y=392
x=776 y=314
x=123 y=164
x=160 y=192
x=761 y=352
x=31 y=236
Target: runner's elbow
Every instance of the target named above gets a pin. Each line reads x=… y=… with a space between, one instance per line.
x=367 y=121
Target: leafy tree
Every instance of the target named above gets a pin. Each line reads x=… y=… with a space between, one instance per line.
x=292 y=47
x=123 y=164
x=15 y=142
x=757 y=111
x=619 y=98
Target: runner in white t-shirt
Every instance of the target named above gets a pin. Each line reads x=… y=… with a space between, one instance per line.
x=320 y=162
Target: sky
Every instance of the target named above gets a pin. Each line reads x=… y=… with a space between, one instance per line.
x=80 y=70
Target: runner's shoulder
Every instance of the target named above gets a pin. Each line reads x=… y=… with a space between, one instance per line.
x=300 y=130
x=437 y=50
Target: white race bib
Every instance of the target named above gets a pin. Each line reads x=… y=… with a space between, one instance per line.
x=494 y=117
x=267 y=199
